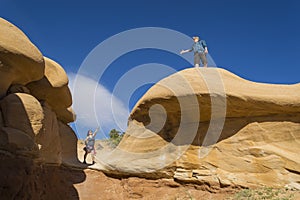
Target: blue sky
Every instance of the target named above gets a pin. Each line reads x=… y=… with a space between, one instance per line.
x=256 y=39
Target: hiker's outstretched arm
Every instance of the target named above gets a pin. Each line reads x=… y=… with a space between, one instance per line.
x=95 y=133
x=185 y=51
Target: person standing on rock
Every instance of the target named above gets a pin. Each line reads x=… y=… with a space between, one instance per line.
x=90 y=145
x=200 y=50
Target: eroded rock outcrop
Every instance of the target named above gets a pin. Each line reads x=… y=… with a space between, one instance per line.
x=35 y=109
x=68 y=141
x=23 y=112
x=53 y=88
x=34 y=98
x=20 y=61
x=209 y=126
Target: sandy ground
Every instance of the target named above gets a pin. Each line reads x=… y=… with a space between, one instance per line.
x=98 y=186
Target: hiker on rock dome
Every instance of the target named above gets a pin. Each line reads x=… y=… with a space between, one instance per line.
x=200 y=50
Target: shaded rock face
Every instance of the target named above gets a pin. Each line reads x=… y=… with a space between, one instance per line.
x=208 y=126
x=48 y=138
x=68 y=142
x=22 y=178
x=27 y=108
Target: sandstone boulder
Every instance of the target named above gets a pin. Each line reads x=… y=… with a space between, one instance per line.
x=68 y=140
x=66 y=115
x=243 y=98
x=209 y=126
x=23 y=112
x=53 y=88
x=21 y=141
x=48 y=138
x=20 y=61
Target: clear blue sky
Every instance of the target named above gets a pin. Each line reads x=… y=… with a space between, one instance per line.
x=257 y=39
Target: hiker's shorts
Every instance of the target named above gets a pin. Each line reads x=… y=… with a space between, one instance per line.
x=90 y=149
x=200 y=56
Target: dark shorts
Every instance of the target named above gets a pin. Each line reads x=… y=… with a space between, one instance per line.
x=198 y=57
x=89 y=149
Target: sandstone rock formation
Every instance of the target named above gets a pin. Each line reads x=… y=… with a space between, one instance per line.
x=68 y=142
x=202 y=126
x=20 y=61
x=27 y=108
x=48 y=138
x=209 y=126
x=66 y=115
x=35 y=101
x=53 y=88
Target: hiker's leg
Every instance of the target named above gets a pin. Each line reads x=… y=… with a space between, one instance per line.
x=203 y=59
x=93 y=153
x=84 y=157
x=196 y=59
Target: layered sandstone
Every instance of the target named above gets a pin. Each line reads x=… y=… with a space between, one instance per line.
x=209 y=126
